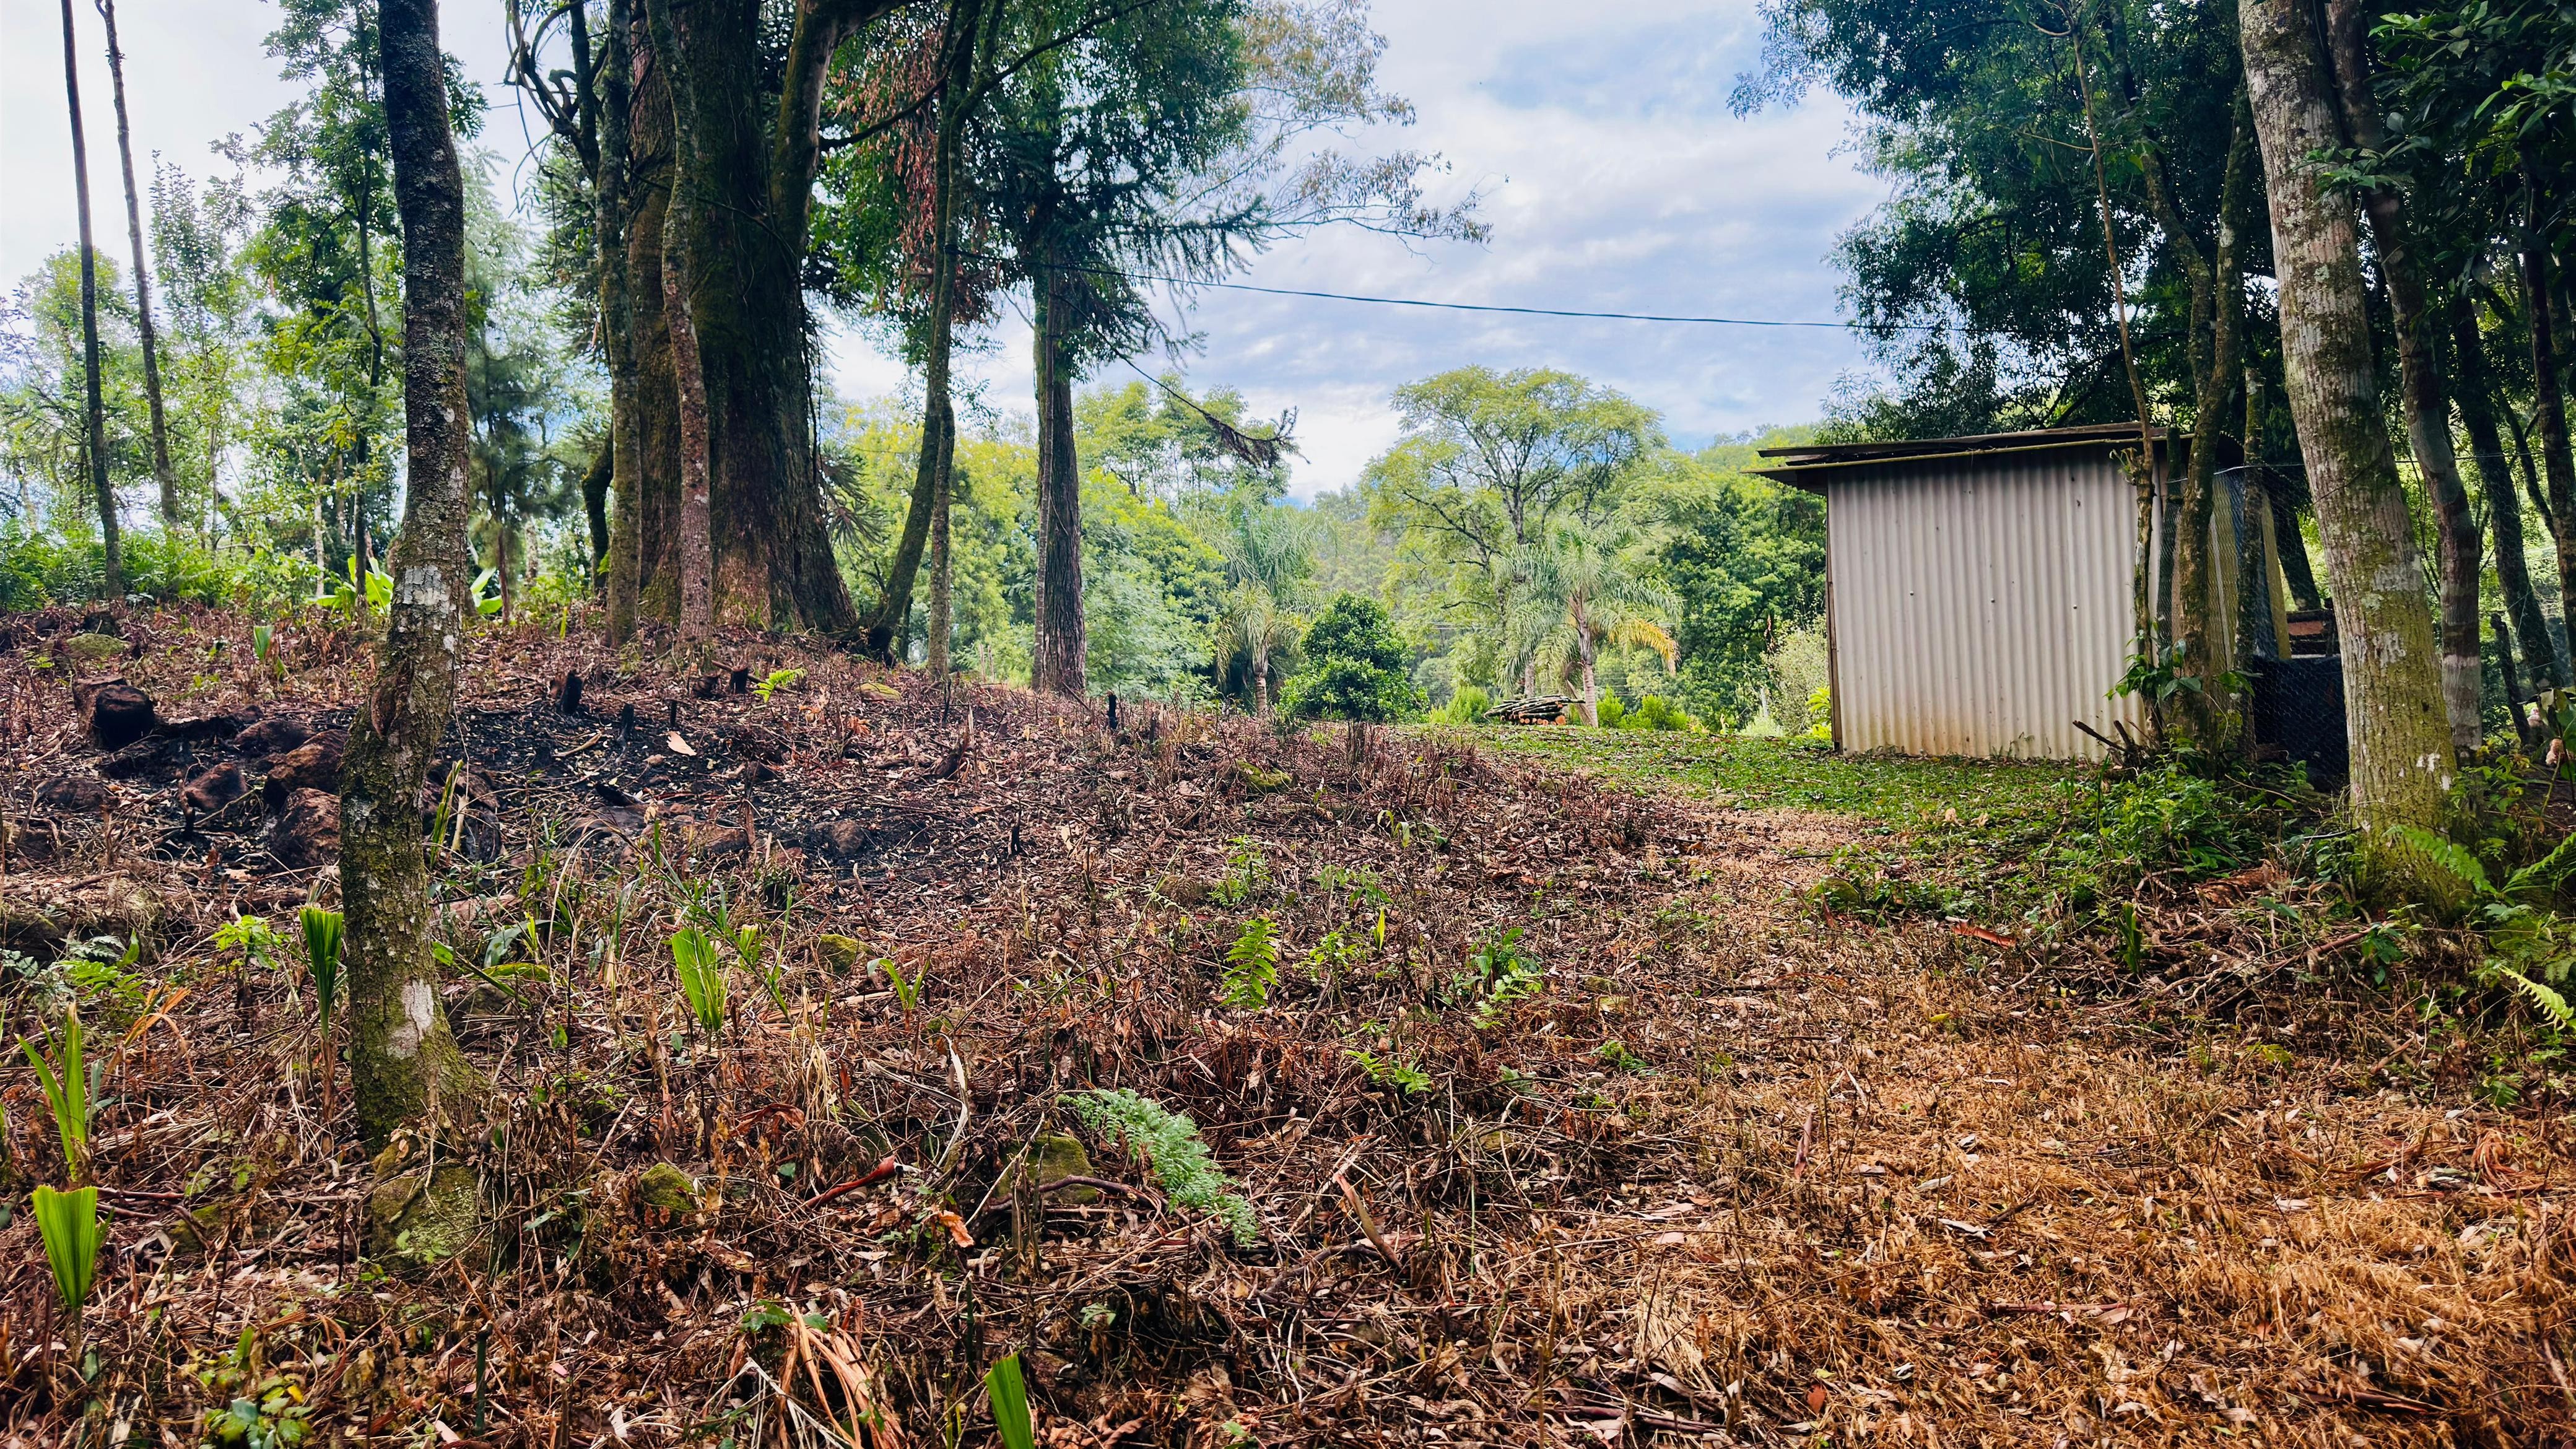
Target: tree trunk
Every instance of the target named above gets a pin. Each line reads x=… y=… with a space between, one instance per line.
x=2427 y=410
x=2504 y=510
x=2548 y=403
x=1261 y=682
x=939 y=415
x=741 y=238
x=688 y=175
x=942 y=598
x=162 y=473
x=404 y=1063
x=94 y=416
x=2402 y=760
x=1057 y=667
x=614 y=189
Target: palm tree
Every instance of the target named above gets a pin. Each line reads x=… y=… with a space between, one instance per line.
x=1581 y=591
x=1269 y=562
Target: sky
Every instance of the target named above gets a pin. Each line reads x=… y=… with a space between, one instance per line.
x=1611 y=172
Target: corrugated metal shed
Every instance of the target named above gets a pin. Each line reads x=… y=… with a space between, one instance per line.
x=1979 y=590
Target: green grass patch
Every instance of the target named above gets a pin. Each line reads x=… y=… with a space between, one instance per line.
x=2018 y=844
x=1780 y=774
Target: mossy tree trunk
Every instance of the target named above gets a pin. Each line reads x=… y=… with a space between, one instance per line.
x=2422 y=396
x=2402 y=758
x=404 y=1063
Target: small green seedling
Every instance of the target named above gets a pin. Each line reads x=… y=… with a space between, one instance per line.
x=1010 y=1396
x=70 y=1093
x=322 y=954
x=778 y=679
x=701 y=976
x=69 y=1224
x=1251 y=966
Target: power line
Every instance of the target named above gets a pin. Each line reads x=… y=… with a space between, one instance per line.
x=1516 y=311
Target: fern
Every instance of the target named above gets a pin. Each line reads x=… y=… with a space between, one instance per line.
x=1170 y=1142
x=2446 y=856
x=2551 y=1003
x=1251 y=966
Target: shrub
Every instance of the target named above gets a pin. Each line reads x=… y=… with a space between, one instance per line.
x=1654 y=712
x=1468 y=706
x=1355 y=667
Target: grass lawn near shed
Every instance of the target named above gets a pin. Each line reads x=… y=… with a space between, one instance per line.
x=1751 y=773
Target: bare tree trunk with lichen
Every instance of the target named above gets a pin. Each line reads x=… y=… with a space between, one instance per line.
x=162 y=473
x=2402 y=759
x=414 y=1086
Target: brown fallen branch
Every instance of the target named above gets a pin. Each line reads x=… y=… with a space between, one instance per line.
x=878 y=1173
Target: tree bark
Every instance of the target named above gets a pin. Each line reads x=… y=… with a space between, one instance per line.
x=1059 y=656
x=2504 y=511
x=162 y=473
x=2427 y=410
x=697 y=546
x=404 y=1063
x=943 y=616
x=94 y=402
x=2402 y=758
x=742 y=238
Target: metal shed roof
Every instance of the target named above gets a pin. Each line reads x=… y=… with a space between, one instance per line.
x=1807 y=466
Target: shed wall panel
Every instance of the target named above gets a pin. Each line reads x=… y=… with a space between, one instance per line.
x=1980 y=606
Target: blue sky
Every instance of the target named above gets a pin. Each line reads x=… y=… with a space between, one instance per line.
x=1613 y=175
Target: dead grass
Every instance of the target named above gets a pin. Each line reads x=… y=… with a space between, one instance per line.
x=1734 y=1173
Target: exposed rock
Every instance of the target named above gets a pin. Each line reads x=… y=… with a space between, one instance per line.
x=214 y=789
x=72 y=794
x=843 y=838
x=661 y=1193
x=307 y=832
x=120 y=714
x=421 y=1217
x=93 y=650
x=839 y=954
x=1059 y=1156
x=273 y=735
x=312 y=765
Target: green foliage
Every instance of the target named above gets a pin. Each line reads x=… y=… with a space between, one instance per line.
x=776 y=680
x=1654 y=712
x=71 y=1089
x=1247 y=874
x=1469 y=705
x=1500 y=972
x=68 y=1222
x=2531 y=949
x=94 y=972
x=907 y=994
x=1355 y=667
x=1251 y=966
x=702 y=977
x=1390 y=1072
x=1171 y=1143
x=1010 y=1396
x=322 y=931
x=1744 y=558
x=1615 y=1055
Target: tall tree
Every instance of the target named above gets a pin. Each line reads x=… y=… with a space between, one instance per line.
x=162 y=473
x=2422 y=396
x=1589 y=590
x=2476 y=399
x=95 y=418
x=1489 y=462
x=2402 y=759
x=688 y=371
x=405 y=1064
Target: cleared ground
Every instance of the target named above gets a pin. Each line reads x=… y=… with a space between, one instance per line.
x=1564 y=1111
